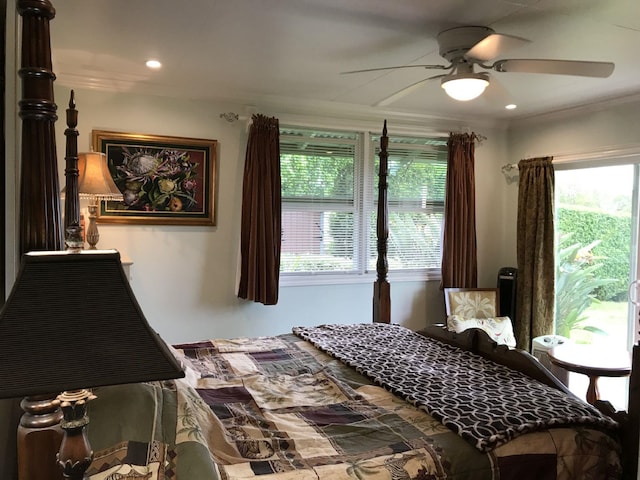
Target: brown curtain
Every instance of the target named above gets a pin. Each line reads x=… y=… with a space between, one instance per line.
x=459 y=250
x=261 y=207
x=535 y=297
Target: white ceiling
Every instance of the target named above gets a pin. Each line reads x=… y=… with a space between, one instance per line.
x=266 y=52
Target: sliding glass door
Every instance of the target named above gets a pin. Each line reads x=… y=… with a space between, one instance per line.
x=596 y=256
x=596 y=249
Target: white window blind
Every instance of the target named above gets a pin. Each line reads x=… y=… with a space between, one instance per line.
x=417 y=178
x=329 y=192
x=320 y=173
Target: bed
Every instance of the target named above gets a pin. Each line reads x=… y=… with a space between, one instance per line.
x=366 y=401
x=320 y=404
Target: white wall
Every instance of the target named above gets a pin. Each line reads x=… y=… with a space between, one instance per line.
x=184 y=277
x=495 y=207
x=604 y=129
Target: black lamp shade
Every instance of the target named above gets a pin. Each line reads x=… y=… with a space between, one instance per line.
x=71 y=322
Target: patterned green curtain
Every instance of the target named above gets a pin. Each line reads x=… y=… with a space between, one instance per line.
x=535 y=296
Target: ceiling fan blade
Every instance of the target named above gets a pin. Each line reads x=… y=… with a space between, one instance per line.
x=557 y=67
x=405 y=91
x=496 y=93
x=438 y=67
x=494 y=45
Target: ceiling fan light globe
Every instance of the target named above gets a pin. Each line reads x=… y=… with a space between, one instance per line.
x=464 y=89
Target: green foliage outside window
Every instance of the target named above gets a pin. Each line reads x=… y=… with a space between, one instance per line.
x=321 y=177
x=613 y=232
x=577 y=279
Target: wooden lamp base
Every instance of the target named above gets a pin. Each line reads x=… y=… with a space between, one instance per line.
x=75 y=453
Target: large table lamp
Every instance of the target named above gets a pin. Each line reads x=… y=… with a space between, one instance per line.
x=71 y=323
x=96 y=184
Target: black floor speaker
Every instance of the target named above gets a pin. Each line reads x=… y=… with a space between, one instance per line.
x=507 y=284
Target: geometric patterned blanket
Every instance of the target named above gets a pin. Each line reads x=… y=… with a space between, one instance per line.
x=483 y=402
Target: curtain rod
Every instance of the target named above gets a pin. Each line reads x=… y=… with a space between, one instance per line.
x=610 y=155
x=233 y=117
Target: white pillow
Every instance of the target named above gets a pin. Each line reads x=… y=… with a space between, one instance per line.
x=499 y=329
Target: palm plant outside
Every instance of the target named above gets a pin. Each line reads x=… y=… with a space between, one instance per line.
x=576 y=281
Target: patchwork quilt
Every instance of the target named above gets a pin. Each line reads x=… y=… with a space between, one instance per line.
x=280 y=408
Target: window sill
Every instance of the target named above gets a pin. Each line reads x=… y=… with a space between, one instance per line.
x=347 y=279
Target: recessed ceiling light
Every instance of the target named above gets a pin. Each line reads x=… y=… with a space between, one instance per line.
x=153 y=64
x=511 y=106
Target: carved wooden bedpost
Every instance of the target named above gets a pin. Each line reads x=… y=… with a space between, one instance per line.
x=72 y=235
x=40 y=218
x=631 y=430
x=381 y=287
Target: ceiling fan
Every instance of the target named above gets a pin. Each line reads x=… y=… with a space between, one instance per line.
x=467 y=47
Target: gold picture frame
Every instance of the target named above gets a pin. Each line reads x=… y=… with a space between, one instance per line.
x=164 y=180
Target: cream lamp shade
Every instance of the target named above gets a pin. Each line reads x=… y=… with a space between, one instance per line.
x=95 y=183
x=94 y=178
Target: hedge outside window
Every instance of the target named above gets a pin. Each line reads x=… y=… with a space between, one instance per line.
x=329 y=195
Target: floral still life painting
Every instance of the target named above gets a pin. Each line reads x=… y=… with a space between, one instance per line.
x=164 y=180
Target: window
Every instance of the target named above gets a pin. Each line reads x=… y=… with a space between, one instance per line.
x=329 y=203
x=595 y=249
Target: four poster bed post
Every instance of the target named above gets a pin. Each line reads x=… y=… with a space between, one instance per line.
x=72 y=197
x=40 y=221
x=629 y=420
x=40 y=217
x=381 y=287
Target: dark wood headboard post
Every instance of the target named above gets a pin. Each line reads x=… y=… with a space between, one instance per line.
x=631 y=435
x=381 y=287
x=40 y=218
x=72 y=200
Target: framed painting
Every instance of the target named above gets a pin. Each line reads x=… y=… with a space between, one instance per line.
x=472 y=302
x=163 y=180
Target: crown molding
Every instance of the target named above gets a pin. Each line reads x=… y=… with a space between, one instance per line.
x=571 y=112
